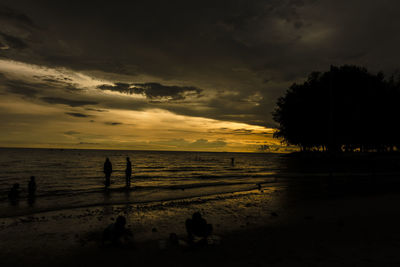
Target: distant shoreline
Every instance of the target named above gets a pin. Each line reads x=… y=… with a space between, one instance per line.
x=338 y=154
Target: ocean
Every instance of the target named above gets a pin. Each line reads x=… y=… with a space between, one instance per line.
x=72 y=178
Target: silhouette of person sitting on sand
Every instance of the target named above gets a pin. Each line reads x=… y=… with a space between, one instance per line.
x=107 y=172
x=31 y=190
x=32 y=187
x=116 y=233
x=13 y=195
x=198 y=227
x=128 y=172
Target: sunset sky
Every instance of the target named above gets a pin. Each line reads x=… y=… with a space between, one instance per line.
x=174 y=75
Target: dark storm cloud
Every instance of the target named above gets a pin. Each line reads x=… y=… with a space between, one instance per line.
x=20 y=87
x=71 y=133
x=226 y=45
x=96 y=109
x=12 y=41
x=68 y=102
x=206 y=143
x=118 y=87
x=77 y=114
x=38 y=86
x=53 y=79
x=242 y=132
x=113 y=123
x=87 y=143
x=45 y=85
x=17 y=33
x=198 y=144
x=169 y=39
x=13 y=15
x=154 y=90
x=60 y=82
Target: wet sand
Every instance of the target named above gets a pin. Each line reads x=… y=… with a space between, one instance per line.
x=280 y=226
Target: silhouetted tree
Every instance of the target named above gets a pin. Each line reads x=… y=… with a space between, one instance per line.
x=346 y=108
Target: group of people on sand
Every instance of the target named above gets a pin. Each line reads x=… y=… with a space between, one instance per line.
x=13 y=194
x=108 y=170
x=197 y=228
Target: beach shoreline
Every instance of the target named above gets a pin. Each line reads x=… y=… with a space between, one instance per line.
x=316 y=229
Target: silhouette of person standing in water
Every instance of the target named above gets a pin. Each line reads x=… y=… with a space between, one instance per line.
x=107 y=172
x=32 y=187
x=128 y=172
x=31 y=190
x=13 y=195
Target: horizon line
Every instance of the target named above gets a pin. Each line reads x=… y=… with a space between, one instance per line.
x=148 y=150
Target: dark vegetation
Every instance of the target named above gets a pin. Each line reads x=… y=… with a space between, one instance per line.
x=345 y=109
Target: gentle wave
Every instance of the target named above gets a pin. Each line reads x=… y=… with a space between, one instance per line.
x=187 y=198
x=143 y=188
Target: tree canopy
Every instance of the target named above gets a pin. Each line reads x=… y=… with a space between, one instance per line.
x=344 y=109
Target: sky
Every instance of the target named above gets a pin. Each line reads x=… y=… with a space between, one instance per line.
x=174 y=75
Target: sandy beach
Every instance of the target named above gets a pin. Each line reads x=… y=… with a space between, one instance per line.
x=279 y=226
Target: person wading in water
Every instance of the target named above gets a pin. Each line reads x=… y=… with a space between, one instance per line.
x=128 y=172
x=107 y=172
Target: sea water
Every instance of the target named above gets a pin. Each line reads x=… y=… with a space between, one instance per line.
x=71 y=178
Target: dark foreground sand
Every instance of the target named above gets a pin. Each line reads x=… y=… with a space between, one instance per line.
x=282 y=226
